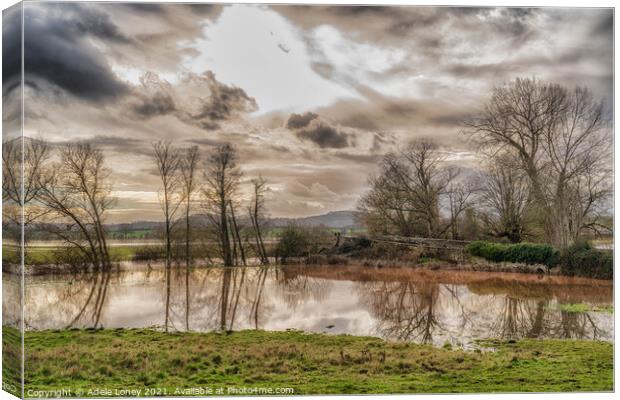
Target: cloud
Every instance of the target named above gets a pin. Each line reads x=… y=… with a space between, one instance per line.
x=200 y=100
x=11 y=49
x=296 y=121
x=253 y=59
x=356 y=83
x=158 y=104
x=324 y=136
x=308 y=126
x=59 y=50
x=222 y=103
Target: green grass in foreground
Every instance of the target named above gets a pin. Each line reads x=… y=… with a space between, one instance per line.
x=309 y=363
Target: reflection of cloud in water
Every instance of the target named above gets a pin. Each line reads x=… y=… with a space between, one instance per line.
x=338 y=307
x=397 y=304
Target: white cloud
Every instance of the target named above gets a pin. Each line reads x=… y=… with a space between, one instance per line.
x=259 y=50
x=357 y=58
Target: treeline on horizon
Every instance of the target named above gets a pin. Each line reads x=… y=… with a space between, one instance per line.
x=544 y=177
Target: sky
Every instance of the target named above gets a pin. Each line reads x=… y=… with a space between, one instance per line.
x=311 y=96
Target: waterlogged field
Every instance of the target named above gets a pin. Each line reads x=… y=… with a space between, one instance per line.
x=314 y=330
x=401 y=304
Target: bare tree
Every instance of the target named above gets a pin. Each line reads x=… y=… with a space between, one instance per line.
x=168 y=165
x=560 y=138
x=256 y=211
x=405 y=197
x=188 y=165
x=77 y=189
x=505 y=198
x=168 y=162
x=221 y=183
x=235 y=233
x=460 y=195
x=36 y=154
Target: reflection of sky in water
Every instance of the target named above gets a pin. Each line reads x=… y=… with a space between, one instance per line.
x=396 y=304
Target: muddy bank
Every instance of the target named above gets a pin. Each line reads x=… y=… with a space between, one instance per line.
x=363 y=252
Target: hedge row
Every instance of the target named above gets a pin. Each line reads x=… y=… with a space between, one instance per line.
x=580 y=259
x=528 y=253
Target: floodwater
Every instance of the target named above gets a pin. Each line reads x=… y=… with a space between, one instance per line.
x=402 y=304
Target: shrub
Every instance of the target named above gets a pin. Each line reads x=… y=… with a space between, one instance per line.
x=294 y=242
x=149 y=253
x=581 y=259
x=297 y=241
x=529 y=253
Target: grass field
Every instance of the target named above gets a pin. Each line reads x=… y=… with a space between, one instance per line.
x=141 y=360
x=48 y=255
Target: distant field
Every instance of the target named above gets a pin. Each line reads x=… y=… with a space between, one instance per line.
x=276 y=231
x=135 y=234
x=48 y=255
x=150 y=234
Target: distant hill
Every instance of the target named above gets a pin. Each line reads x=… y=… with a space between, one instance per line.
x=334 y=219
x=134 y=226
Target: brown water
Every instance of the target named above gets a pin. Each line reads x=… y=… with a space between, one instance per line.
x=392 y=303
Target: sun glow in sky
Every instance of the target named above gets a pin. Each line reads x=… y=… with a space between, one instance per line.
x=259 y=50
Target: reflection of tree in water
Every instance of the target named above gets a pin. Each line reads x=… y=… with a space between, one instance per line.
x=423 y=311
x=578 y=326
x=219 y=298
x=521 y=318
x=78 y=304
x=517 y=318
x=406 y=311
x=95 y=300
x=296 y=289
x=243 y=298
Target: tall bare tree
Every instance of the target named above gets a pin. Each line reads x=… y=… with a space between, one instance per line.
x=459 y=195
x=256 y=212
x=77 y=189
x=36 y=154
x=188 y=167
x=221 y=183
x=168 y=162
x=561 y=140
x=505 y=198
x=405 y=197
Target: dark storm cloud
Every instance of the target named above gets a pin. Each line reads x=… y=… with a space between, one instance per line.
x=604 y=27
x=159 y=104
x=324 y=136
x=58 y=50
x=202 y=9
x=147 y=8
x=296 y=121
x=87 y=21
x=11 y=48
x=309 y=127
